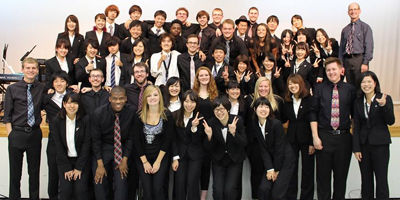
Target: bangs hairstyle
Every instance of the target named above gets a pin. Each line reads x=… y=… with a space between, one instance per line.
x=221 y=100
x=74 y=19
x=232 y=85
x=193 y=97
x=303 y=32
x=93 y=42
x=167 y=96
x=60 y=74
x=263 y=101
x=273 y=18
x=285 y=32
x=135 y=8
x=296 y=16
x=271 y=97
x=270 y=58
x=112 y=41
x=245 y=60
x=145 y=106
x=324 y=34
x=63 y=43
x=184 y=9
x=202 y=13
x=165 y=36
x=144 y=55
x=303 y=45
x=211 y=86
x=112 y=8
x=135 y=23
x=138 y=65
x=220 y=46
x=101 y=16
x=75 y=98
x=160 y=12
x=377 y=89
x=303 y=91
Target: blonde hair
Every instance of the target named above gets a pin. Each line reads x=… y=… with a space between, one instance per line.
x=271 y=97
x=211 y=86
x=145 y=106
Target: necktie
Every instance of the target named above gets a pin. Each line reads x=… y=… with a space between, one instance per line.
x=111 y=30
x=140 y=98
x=349 y=45
x=250 y=33
x=335 y=108
x=117 y=141
x=214 y=73
x=166 y=65
x=113 y=71
x=228 y=49
x=192 y=72
x=158 y=31
x=96 y=100
x=31 y=117
x=62 y=96
x=200 y=36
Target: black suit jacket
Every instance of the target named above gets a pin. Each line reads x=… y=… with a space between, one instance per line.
x=305 y=69
x=103 y=50
x=80 y=72
x=82 y=143
x=184 y=68
x=373 y=130
x=234 y=146
x=299 y=128
x=246 y=37
x=52 y=66
x=236 y=45
x=218 y=79
x=76 y=50
x=126 y=64
x=127 y=45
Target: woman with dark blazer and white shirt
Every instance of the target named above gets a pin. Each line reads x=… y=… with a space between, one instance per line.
x=100 y=34
x=71 y=134
x=373 y=112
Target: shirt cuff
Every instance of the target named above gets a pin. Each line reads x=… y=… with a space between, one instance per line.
x=193 y=129
x=270 y=170
x=176 y=158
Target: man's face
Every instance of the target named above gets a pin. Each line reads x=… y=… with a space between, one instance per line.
x=113 y=49
x=354 y=11
x=253 y=15
x=159 y=21
x=176 y=29
x=91 y=51
x=112 y=14
x=272 y=25
x=333 y=72
x=219 y=55
x=135 y=31
x=202 y=20
x=227 y=30
x=30 y=70
x=182 y=16
x=217 y=16
x=59 y=85
x=117 y=100
x=242 y=27
x=140 y=75
x=96 y=78
x=297 y=23
x=135 y=15
x=192 y=44
x=166 y=44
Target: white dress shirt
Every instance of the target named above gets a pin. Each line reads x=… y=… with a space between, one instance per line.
x=224 y=133
x=108 y=69
x=367 y=106
x=174 y=105
x=160 y=74
x=108 y=28
x=71 y=39
x=154 y=29
x=63 y=64
x=99 y=36
x=296 y=105
x=234 y=109
x=57 y=98
x=70 y=137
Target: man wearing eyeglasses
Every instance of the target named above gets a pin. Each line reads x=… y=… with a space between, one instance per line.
x=97 y=96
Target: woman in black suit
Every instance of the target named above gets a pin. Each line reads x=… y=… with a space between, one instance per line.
x=71 y=134
x=100 y=34
x=296 y=111
x=71 y=33
x=373 y=112
x=154 y=128
x=300 y=65
x=276 y=153
x=187 y=149
x=226 y=139
x=270 y=70
x=138 y=54
x=245 y=75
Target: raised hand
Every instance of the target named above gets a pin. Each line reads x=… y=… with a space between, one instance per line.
x=238 y=76
x=315 y=49
x=287 y=63
x=290 y=51
x=196 y=121
x=207 y=130
x=248 y=76
x=316 y=62
x=329 y=47
x=278 y=72
x=382 y=100
x=225 y=74
x=232 y=126
x=284 y=50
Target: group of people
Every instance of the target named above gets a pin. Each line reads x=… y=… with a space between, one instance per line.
x=130 y=102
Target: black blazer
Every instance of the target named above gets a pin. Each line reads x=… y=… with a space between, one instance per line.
x=374 y=129
x=127 y=45
x=80 y=72
x=82 y=143
x=76 y=50
x=234 y=146
x=299 y=128
x=219 y=81
x=103 y=50
x=126 y=64
x=323 y=55
x=185 y=142
x=52 y=66
x=305 y=69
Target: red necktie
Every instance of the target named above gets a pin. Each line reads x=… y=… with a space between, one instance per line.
x=140 y=98
x=117 y=141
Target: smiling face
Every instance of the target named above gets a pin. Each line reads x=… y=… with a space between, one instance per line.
x=174 y=89
x=297 y=23
x=301 y=38
x=262 y=111
x=117 y=100
x=135 y=31
x=217 y=16
x=62 y=51
x=113 y=49
x=333 y=72
x=368 y=85
x=261 y=31
x=71 y=108
x=153 y=99
x=320 y=37
x=287 y=39
x=138 y=50
x=294 y=88
x=221 y=113
x=71 y=25
x=96 y=78
x=135 y=15
x=263 y=89
x=182 y=16
x=253 y=16
x=227 y=30
x=30 y=71
x=91 y=52
x=60 y=85
x=100 y=23
x=189 y=105
x=300 y=53
x=176 y=29
x=354 y=12
x=166 y=44
x=219 y=55
x=242 y=67
x=192 y=45
x=159 y=21
x=204 y=77
x=272 y=25
x=242 y=27
x=233 y=93
x=269 y=65
x=140 y=75
x=202 y=20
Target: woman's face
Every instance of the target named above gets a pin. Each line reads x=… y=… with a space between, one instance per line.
x=300 y=53
x=60 y=85
x=221 y=112
x=242 y=67
x=138 y=50
x=286 y=39
x=166 y=44
x=301 y=38
x=154 y=98
x=320 y=37
x=189 y=105
x=62 y=51
x=263 y=89
x=368 y=85
x=262 y=111
x=100 y=23
x=71 y=107
x=261 y=31
x=294 y=88
x=71 y=25
x=269 y=65
x=233 y=93
x=204 y=77
x=174 y=89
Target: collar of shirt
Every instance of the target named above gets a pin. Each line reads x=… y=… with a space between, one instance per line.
x=154 y=29
x=69 y=120
x=241 y=36
x=339 y=84
x=372 y=100
x=117 y=55
x=61 y=62
x=57 y=95
x=175 y=105
x=108 y=25
x=90 y=60
x=262 y=127
x=100 y=92
x=186 y=119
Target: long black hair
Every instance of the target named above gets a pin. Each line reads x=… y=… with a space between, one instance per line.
x=262 y=101
x=75 y=98
x=193 y=97
x=377 y=89
x=171 y=81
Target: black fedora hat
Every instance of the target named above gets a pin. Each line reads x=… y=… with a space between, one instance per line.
x=242 y=19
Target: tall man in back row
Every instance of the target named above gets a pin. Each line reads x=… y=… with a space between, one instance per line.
x=22 y=119
x=356 y=46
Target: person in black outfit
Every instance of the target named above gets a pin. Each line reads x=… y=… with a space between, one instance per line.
x=22 y=119
x=330 y=126
x=296 y=110
x=135 y=30
x=112 y=12
x=297 y=24
x=245 y=75
x=226 y=139
x=206 y=34
x=135 y=12
x=276 y=153
x=96 y=96
x=136 y=89
x=153 y=127
x=99 y=32
x=373 y=112
x=71 y=133
x=180 y=41
x=154 y=32
x=112 y=141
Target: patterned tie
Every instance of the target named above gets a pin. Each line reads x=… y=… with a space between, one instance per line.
x=31 y=117
x=140 y=98
x=111 y=30
x=192 y=72
x=349 y=45
x=215 y=73
x=228 y=49
x=335 y=108
x=113 y=71
x=117 y=141
x=200 y=36
x=158 y=31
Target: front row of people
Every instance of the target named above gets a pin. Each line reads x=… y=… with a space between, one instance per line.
x=128 y=142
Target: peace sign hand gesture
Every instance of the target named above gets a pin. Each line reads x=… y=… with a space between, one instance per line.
x=225 y=74
x=287 y=63
x=290 y=51
x=232 y=126
x=316 y=62
x=247 y=77
x=196 y=121
x=315 y=49
x=284 y=50
x=238 y=76
x=382 y=100
x=207 y=130
x=329 y=47
x=278 y=73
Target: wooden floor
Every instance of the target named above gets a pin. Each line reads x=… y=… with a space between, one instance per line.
x=394 y=129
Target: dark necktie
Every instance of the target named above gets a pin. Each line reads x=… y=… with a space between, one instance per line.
x=113 y=71
x=96 y=100
x=335 y=121
x=228 y=49
x=31 y=117
x=158 y=31
x=117 y=141
x=349 y=44
x=140 y=98
x=215 y=73
x=192 y=72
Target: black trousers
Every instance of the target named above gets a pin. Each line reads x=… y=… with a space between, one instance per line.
x=205 y=171
x=375 y=160
x=18 y=143
x=334 y=157
x=152 y=184
x=307 y=173
x=352 y=71
x=52 y=187
x=225 y=176
x=187 y=179
x=257 y=169
x=74 y=189
x=133 y=178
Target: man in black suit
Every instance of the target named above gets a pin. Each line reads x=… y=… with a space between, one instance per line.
x=189 y=62
x=135 y=30
x=217 y=16
x=297 y=23
x=97 y=96
x=330 y=127
x=273 y=23
x=154 y=32
x=206 y=34
x=188 y=28
x=253 y=16
x=114 y=63
x=112 y=141
x=135 y=12
x=112 y=12
x=221 y=71
x=22 y=119
x=89 y=62
x=241 y=29
x=135 y=90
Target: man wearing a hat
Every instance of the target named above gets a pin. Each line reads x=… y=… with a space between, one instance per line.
x=241 y=27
